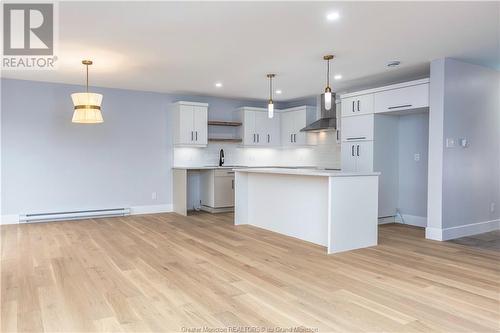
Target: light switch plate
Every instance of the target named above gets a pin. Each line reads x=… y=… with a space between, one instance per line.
x=416 y=157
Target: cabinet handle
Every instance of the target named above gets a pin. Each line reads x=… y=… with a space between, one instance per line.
x=358 y=104
x=337 y=135
x=352 y=150
x=232 y=184
x=356 y=138
x=268 y=138
x=196 y=135
x=352 y=106
x=357 y=150
x=254 y=137
x=291 y=137
x=191 y=135
x=399 y=106
x=258 y=138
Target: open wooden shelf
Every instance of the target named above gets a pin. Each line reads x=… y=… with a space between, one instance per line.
x=224 y=140
x=224 y=123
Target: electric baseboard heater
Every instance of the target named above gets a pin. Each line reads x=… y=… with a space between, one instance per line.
x=74 y=215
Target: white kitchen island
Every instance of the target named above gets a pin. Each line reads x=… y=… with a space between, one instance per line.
x=334 y=209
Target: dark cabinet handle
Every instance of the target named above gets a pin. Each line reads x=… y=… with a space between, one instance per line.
x=356 y=138
x=399 y=106
x=258 y=138
x=196 y=135
x=268 y=138
x=337 y=135
x=291 y=137
x=254 y=137
x=358 y=104
x=232 y=184
x=357 y=150
x=191 y=135
x=352 y=106
x=352 y=150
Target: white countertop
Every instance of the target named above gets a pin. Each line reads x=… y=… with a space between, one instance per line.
x=212 y=167
x=307 y=172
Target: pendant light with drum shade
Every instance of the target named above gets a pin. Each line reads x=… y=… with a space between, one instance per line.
x=270 y=105
x=328 y=90
x=87 y=105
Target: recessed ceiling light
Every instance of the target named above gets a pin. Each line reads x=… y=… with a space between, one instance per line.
x=218 y=84
x=394 y=63
x=333 y=16
x=337 y=77
x=278 y=92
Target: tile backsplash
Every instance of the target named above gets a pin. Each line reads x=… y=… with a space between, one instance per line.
x=326 y=154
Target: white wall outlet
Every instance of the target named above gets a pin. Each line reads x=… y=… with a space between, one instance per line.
x=416 y=157
x=154 y=196
x=492 y=207
x=464 y=143
x=450 y=143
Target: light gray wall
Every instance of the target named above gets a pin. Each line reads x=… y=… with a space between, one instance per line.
x=412 y=187
x=471 y=176
x=465 y=103
x=51 y=164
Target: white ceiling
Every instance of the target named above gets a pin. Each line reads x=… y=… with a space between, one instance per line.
x=187 y=47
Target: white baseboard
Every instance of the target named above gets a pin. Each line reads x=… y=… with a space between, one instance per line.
x=153 y=209
x=386 y=220
x=462 y=231
x=9 y=219
x=135 y=210
x=417 y=221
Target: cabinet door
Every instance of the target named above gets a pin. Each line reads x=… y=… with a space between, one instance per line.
x=249 y=137
x=287 y=123
x=223 y=191
x=407 y=98
x=274 y=131
x=364 y=104
x=364 y=153
x=358 y=128
x=200 y=125
x=186 y=121
x=299 y=122
x=261 y=127
x=348 y=160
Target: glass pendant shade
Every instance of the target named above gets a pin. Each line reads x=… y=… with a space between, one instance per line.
x=87 y=108
x=328 y=100
x=270 y=109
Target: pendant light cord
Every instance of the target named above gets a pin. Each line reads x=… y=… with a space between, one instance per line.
x=270 y=88
x=87 y=78
x=328 y=72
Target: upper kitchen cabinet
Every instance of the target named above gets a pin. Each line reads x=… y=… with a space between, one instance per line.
x=258 y=129
x=357 y=105
x=407 y=96
x=292 y=121
x=190 y=124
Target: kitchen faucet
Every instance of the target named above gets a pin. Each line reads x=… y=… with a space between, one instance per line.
x=221 y=157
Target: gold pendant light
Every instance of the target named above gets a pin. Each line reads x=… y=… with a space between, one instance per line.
x=270 y=105
x=87 y=105
x=328 y=90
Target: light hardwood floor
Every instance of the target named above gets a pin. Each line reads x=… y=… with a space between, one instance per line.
x=164 y=272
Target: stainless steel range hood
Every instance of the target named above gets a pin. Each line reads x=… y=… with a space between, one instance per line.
x=327 y=121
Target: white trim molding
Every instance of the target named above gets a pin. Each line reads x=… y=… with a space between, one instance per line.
x=417 y=221
x=462 y=230
x=153 y=209
x=9 y=219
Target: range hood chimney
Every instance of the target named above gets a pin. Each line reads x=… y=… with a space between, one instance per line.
x=328 y=118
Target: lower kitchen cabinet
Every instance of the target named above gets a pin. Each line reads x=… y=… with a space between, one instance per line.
x=357 y=156
x=217 y=190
